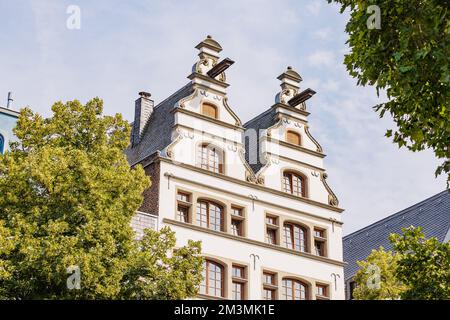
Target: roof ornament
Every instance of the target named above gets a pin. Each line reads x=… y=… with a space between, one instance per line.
x=290 y=85
x=209 y=50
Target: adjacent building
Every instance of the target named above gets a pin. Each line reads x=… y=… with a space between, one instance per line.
x=8 y=119
x=432 y=215
x=254 y=193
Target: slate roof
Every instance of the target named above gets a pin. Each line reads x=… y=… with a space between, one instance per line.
x=432 y=215
x=158 y=130
x=262 y=121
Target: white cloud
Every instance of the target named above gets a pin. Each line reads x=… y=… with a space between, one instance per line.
x=314 y=6
x=321 y=58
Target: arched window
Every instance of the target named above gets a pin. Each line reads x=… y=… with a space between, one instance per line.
x=210 y=215
x=293 y=137
x=294 y=183
x=210 y=158
x=294 y=290
x=209 y=110
x=2 y=144
x=295 y=237
x=213 y=279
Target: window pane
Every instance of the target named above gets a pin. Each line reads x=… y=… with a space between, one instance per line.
x=268 y=294
x=238 y=291
x=236 y=227
x=295 y=237
x=183 y=214
x=293 y=290
x=293 y=137
x=236 y=211
x=319 y=248
x=209 y=110
x=268 y=278
x=215 y=217
x=202 y=214
x=271 y=220
x=238 y=272
x=214 y=279
x=183 y=197
x=271 y=236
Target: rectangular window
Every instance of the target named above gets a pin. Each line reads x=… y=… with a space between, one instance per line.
x=319 y=233
x=322 y=290
x=236 y=227
x=268 y=294
x=319 y=248
x=238 y=291
x=183 y=213
x=236 y=211
x=181 y=196
x=271 y=220
x=269 y=278
x=271 y=236
x=238 y=272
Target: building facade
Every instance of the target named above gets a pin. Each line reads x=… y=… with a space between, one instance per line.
x=254 y=194
x=8 y=119
x=432 y=215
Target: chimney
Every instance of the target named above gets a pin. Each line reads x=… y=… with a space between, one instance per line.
x=142 y=112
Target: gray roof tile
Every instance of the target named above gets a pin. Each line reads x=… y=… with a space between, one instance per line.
x=432 y=215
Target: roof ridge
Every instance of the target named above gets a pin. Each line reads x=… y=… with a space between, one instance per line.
x=394 y=215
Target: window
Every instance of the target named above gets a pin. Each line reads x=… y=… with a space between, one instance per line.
x=293 y=137
x=210 y=215
x=236 y=211
x=294 y=290
x=210 y=158
x=321 y=290
x=294 y=184
x=269 y=286
x=319 y=242
x=236 y=227
x=2 y=144
x=209 y=110
x=183 y=213
x=268 y=278
x=352 y=286
x=183 y=206
x=271 y=236
x=238 y=283
x=271 y=229
x=213 y=279
x=295 y=237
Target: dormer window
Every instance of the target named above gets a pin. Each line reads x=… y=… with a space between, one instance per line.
x=293 y=137
x=210 y=158
x=209 y=110
x=294 y=183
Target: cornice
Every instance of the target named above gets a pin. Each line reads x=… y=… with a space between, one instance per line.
x=202 y=132
x=288 y=107
x=254 y=242
x=200 y=116
x=293 y=146
x=255 y=186
x=310 y=166
x=208 y=79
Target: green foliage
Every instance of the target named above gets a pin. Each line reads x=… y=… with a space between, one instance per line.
x=67 y=199
x=159 y=272
x=388 y=288
x=409 y=58
x=424 y=265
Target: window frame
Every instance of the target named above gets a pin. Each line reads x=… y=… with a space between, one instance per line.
x=207 y=262
x=211 y=105
x=298 y=135
x=289 y=188
x=208 y=214
x=239 y=281
x=292 y=226
x=205 y=163
x=293 y=289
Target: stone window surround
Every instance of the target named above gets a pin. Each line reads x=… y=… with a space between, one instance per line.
x=227 y=265
x=310 y=238
x=280 y=275
x=227 y=207
x=288 y=170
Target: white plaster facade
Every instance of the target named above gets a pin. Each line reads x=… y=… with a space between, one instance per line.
x=258 y=193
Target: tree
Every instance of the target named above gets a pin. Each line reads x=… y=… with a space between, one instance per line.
x=408 y=56
x=67 y=198
x=424 y=265
x=376 y=278
x=159 y=272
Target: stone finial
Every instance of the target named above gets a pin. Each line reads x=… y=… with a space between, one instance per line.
x=290 y=84
x=209 y=46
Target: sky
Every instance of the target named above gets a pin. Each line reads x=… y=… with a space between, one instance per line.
x=123 y=47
